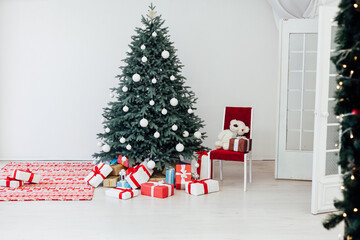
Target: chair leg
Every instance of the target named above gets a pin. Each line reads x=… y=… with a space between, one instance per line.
x=221 y=170
x=245 y=173
x=250 y=170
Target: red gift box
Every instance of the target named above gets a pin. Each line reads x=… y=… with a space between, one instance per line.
x=182 y=175
x=157 y=189
x=124 y=162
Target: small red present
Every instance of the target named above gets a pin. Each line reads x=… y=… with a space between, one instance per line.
x=157 y=189
x=182 y=175
x=240 y=144
x=123 y=161
x=11 y=182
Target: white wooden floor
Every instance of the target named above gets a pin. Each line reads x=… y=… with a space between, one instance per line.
x=271 y=209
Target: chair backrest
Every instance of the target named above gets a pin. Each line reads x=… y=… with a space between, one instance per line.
x=239 y=113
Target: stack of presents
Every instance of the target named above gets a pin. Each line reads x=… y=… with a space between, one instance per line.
x=18 y=177
x=128 y=182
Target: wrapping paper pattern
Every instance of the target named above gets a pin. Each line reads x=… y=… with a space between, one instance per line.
x=157 y=189
x=60 y=181
x=200 y=187
x=122 y=193
x=182 y=175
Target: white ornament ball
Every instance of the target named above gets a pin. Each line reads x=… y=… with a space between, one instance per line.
x=144 y=59
x=172 y=78
x=122 y=140
x=174 y=127
x=151 y=102
x=143 y=27
x=106 y=148
x=164 y=111
x=112 y=95
x=156 y=134
x=151 y=164
x=99 y=144
x=129 y=50
x=185 y=134
x=154 y=34
x=123 y=159
x=144 y=122
x=125 y=89
x=174 y=102
x=103 y=120
x=197 y=134
x=165 y=54
x=190 y=110
x=107 y=130
x=197 y=165
x=142 y=47
x=179 y=147
x=128 y=147
x=136 y=77
x=125 y=108
x=154 y=80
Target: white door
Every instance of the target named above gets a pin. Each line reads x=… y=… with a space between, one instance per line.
x=326 y=173
x=297 y=99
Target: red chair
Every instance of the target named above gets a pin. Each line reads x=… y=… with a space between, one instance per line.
x=244 y=114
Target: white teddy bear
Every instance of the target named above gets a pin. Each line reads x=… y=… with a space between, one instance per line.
x=236 y=128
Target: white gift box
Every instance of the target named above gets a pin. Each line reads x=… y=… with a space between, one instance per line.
x=26 y=175
x=11 y=183
x=204 y=169
x=200 y=187
x=139 y=175
x=122 y=193
x=98 y=174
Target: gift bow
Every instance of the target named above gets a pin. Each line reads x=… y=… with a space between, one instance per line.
x=124 y=190
x=202 y=153
x=96 y=171
x=183 y=172
x=203 y=182
x=131 y=171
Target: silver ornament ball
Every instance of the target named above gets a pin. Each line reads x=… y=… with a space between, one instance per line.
x=136 y=77
x=164 y=111
x=107 y=130
x=190 y=111
x=197 y=134
x=174 y=102
x=128 y=147
x=154 y=34
x=99 y=144
x=165 y=54
x=143 y=47
x=125 y=108
x=144 y=122
x=122 y=140
x=151 y=102
x=125 y=89
x=172 y=78
x=156 y=134
x=174 y=127
x=154 y=80
x=179 y=147
x=106 y=148
x=144 y=59
x=185 y=134
x=151 y=164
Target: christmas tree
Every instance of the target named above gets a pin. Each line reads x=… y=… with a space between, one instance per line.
x=348 y=110
x=153 y=116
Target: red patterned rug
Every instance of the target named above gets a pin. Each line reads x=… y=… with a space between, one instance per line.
x=60 y=181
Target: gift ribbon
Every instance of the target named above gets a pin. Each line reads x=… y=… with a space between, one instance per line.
x=124 y=190
x=201 y=182
x=133 y=170
x=9 y=179
x=96 y=171
x=28 y=171
x=201 y=153
x=183 y=174
x=161 y=183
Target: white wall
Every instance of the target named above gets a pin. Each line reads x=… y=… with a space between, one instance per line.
x=58 y=60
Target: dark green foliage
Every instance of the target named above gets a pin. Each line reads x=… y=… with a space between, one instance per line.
x=126 y=124
x=347 y=61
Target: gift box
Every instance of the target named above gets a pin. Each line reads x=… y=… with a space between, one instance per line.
x=116 y=168
x=202 y=166
x=98 y=174
x=170 y=176
x=11 y=182
x=157 y=177
x=182 y=175
x=138 y=175
x=123 y=184
x=199 y=187
x=173 y=165
x=240 y=144
x=123 y=161
x=26 y=175
x=157 y=189
x=110 y=181
x=122 y=193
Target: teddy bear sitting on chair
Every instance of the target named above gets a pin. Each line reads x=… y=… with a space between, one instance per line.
x=237 y=128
